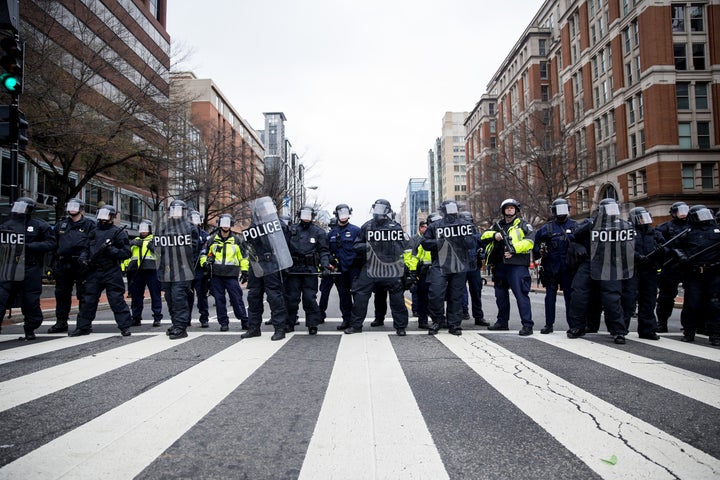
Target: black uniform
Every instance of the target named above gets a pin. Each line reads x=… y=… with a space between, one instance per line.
x=642 y=286
x=391 y=240
x=669 y=278
x=701 y=281
x=39 y=239
x=309 y=249
x=107 y=247
x=72 y=240
x=447 y=284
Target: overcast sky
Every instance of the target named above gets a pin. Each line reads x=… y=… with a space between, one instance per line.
x=364 y=84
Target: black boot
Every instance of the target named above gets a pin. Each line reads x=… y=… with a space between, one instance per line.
x=251 y=332
x=662 y=326
x=434 y=329
x=60 y=326
x=278 y=335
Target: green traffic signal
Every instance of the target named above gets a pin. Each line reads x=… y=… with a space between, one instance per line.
x=10 y=83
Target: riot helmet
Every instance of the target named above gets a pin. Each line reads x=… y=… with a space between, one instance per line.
x=226 y=221
x=306 y=214
x=560 y=209
x=177 y=209
x=106 y=214
x=467 y=216
x=333 y=223
x=640 y=216
x=285 y=219
x=195 y=218
x=449 y=208
x=700 y=214
x=381 y=209
x=609 y=207
x=679 y=210
x=145 y=227
x=74 y=206
x=510 y=202
x=433 y=217
x=343 y=212
x=23 y=206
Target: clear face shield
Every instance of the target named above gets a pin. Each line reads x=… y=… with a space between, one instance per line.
x=20 y=207
x=644 y=218
x=196 y=219
x=380 y=209
x=451 y=208
x=611 y=209
x=144 y=228
x=704 y=215
x=103 y=214
x=682 y=211
x=562 y=209
x=175 y=212
x=306 y=214
x=225 y=222
x=72 y=207
x=343 y=214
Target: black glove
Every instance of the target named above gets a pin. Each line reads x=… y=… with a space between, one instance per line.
x=210 y=260
x=136 y=242
x=680 y=255
x=326 y=271
x=243 y=276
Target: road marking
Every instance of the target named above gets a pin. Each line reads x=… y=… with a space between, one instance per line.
x=370 y=425
x=126 y=439
x=26 y=350
x=586 y=425
x=694 y=385
x=35 y=385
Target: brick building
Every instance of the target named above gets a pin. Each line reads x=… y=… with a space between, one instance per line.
x=602 y=98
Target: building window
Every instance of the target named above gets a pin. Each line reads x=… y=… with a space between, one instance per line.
x=492 y=126
x=699 y=176
x=680 y=56
x=703 y=135
x=543 y=70
x=701 y=96
x=698 y=53
x=583 y=200
x=629 y=73
x=542 y=47
x=697 y=20
x=640 y=109
x=682 y=93
x=626 y=40
x=493 y=142
x=633 y=146
x=678 y=18
x=545 y=93
x=637 y=183
x=684 y=135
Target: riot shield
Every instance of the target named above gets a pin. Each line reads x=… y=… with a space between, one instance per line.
x=174 y=249
x=264 y=240
x=12 y=252
x=612 y=243
x=385 y=249
x=454 y=242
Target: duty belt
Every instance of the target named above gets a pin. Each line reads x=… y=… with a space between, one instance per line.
x=705 y=268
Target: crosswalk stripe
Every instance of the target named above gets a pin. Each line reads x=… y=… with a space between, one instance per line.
x=674 y=344
x=370 y=424
x=123 y=441
x=26 y=350
x=694 y=385
x=586 y=425
x=29 y=387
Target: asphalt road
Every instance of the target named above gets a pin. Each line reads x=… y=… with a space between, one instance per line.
x=374 y=405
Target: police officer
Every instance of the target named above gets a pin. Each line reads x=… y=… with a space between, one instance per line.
x=509 y=243
x=423 y=262
x=381 y=241
x=341 y=240
x=21 y=232
x=584 y=286
x=474 y=277
x=551 y=245
x=641 y=288
x=265 y=242
x=108 y=246
x=225 y=261
x=670 y=277
x=310 y=254
x=414 y=242
x=200 y=284
x=451 y=242
x=700 y=260
x=141 y=268
x=329 y=281
x=177 y=245
x=72 y=234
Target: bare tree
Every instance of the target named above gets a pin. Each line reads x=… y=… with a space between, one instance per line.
x=81 y=123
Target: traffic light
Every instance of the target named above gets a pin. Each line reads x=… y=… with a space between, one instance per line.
x=13 y=127
x=12 y=62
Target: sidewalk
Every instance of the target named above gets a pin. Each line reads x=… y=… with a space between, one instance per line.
x=47 y=305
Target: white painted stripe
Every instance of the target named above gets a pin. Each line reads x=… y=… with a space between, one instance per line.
x=589 y=427
x=125 y=440
x=694 y=385
x=30 y=349
x=35 y=385
x=699 y=348
x=370 y=425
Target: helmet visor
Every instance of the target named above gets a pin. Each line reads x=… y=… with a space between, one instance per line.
x=611 y=209
x=704 y=215
x=195 y=218
x=306 y=214
x=20 y=207
x=72 y=207
x=175 y=211
x=644 y=219
x=451 y=208
x=562 y=209
x=379 y=209
x=343 y=214
x=225 y=222
x=682 y=211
